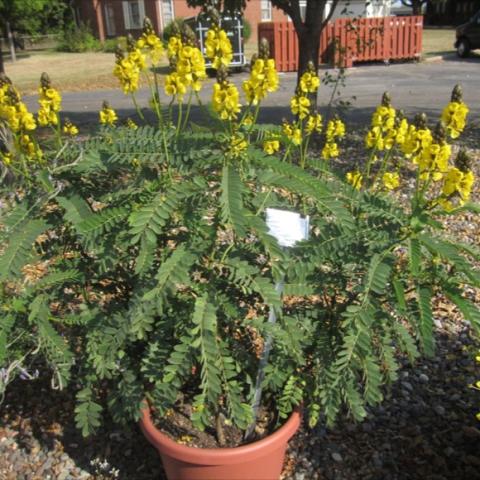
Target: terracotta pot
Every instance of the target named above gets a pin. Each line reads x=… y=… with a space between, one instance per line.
x=262 y=460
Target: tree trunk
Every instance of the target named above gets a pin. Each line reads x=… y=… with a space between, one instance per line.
x=309 y=48
x=416 y=7
x=10 y=42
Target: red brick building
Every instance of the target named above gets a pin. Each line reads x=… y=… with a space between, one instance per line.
x=112 y=18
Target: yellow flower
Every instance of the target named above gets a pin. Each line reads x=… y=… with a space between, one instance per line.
x=300 y=106
x=309 y=82
x=174 y=46
x=314 y=123
x=248 y=120
x=218 y=47
x=271 y=145
x=70 y=129
x=50 y=102
x=237 y=146
x=454 y=117
x=294 y=134
x=29 y=148
x=107 y=115
x=225 y=100
x=355 y=178
x=6 y=158
x=175 y=85
x=131 y=124
x=330 y=150
x=152 y=44
x=263 y=79
x=458 y=182
x=434 y=159
x=128 y=73
x=391 y=180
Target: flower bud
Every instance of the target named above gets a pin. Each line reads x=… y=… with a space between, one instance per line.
x=457 y=94
x=131 y=43
x=463 y=161
x=386 y=99
x=222 y=74
x=147 y=25
x=264 y=49
x=45 y=80
x=439 y=134
x=420 y=120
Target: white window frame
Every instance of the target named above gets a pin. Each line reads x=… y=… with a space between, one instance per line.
x=265 y=11
x=165 y=22
x=127 y=14
x=110 y=19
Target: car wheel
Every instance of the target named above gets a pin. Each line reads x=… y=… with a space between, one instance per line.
x=463 y=48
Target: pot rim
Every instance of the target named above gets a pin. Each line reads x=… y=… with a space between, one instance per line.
x=215 y=456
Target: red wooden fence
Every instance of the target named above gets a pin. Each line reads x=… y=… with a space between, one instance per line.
x=347 y=40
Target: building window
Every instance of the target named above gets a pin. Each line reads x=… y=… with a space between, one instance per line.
x=110 y=19
x=266 y=7
x=133 y=14
x=167 y=12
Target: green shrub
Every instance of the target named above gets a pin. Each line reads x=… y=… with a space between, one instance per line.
x=247 y=30
x=110 y=45
x=78 y=39
x=169 y=29
x=143 y=255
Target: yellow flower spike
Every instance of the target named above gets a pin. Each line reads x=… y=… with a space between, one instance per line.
x=6 y=158
x=50 y=102
x=330 y=150
x=248 y=120
x=131 y=124
x=70 y=129
x=355 y=179
x=309 y=82
x=218 y=47
x=454 y=115
x=237 y=146
x=225 y=100
x=391 y=180
x=174 y=46
x=150 y=42
x=263 y=79
x=300 y=106
x=314 y=124
x=271 y=145
x=107 y=115
x=294 y=134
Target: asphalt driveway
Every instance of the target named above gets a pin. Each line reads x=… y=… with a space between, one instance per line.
x=415 y=87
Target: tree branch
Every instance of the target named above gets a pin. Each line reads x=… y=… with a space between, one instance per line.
x=330 y=13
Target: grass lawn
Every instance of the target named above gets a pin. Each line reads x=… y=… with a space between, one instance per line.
x=438 y=41
x=68 y=71
x=71 y=71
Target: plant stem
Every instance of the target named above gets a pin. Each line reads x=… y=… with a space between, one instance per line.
x=137 y=107
x=257 y=398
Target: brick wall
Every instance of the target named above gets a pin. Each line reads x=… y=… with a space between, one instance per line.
x=94 y=13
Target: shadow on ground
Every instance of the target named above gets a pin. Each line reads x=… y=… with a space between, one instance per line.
x=425 y=429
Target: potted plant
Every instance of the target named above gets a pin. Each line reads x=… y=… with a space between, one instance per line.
x=184 y=310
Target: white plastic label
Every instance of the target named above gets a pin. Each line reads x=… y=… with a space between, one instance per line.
x=287 y=227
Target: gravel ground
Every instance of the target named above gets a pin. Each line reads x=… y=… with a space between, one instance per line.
x=425 y=429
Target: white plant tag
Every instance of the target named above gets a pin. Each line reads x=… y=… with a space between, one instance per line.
x=287 y=227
